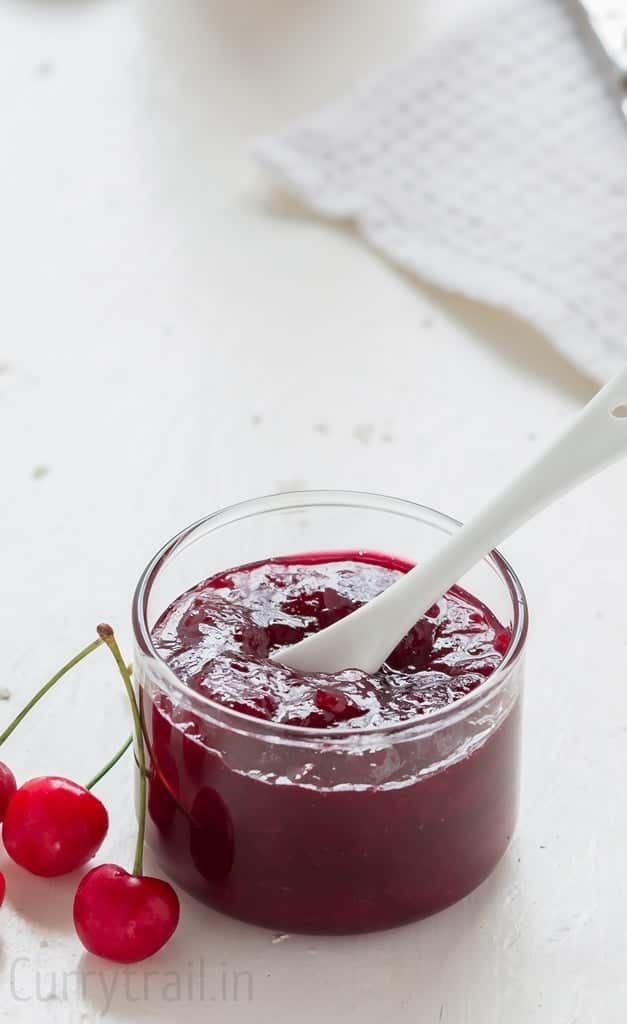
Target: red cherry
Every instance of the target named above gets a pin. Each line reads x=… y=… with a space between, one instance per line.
x=53 y=826
x=3 y=888
x=8 y=785
x=502 y=640
x=123 y=917
x=331 y=700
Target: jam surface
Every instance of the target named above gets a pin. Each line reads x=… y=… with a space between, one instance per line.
x=217 y=638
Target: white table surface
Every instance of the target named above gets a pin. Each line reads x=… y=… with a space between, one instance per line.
x=174 y=337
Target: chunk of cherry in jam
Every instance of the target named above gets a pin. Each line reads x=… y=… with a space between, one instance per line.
x=218 y=637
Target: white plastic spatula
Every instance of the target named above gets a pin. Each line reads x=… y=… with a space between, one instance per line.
x=365 y=638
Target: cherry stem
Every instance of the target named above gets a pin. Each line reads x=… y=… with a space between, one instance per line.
x=48 y=686
x=106 y=634
x=110 y=764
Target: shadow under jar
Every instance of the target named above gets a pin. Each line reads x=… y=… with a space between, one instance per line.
x=318 y=830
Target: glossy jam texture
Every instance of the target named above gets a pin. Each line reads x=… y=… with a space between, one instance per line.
x=217 y=639
x=342 y=833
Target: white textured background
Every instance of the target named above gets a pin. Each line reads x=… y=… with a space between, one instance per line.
x=174 y=336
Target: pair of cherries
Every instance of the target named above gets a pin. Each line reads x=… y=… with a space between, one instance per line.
x=52 y=826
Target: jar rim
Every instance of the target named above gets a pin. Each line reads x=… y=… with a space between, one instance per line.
x=283 y=501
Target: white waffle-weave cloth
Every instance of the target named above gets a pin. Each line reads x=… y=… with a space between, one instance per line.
x=494 y=165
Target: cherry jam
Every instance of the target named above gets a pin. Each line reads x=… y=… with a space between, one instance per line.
x=381 y=816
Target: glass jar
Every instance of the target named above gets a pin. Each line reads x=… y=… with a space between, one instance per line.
x=323 y=831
